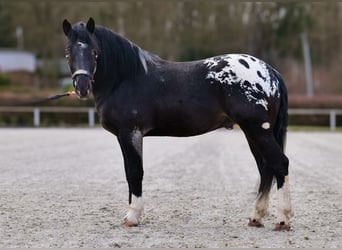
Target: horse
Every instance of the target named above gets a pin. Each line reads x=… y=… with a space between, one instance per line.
x=138 y=94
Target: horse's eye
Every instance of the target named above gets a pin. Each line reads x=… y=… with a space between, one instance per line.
x=94 y=54
x=67 y=53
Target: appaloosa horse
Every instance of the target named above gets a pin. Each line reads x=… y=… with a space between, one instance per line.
x=138 y=94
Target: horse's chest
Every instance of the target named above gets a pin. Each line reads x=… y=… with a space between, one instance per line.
x=109 y=119
x=125 y=115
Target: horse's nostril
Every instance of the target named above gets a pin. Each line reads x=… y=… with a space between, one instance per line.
x=83 y=85
x=82 y=92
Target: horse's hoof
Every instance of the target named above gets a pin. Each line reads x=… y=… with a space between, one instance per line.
x=128 y=223
x=282 y=227
x=255 y=223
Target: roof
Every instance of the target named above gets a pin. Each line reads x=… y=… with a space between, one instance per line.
x=12 y=60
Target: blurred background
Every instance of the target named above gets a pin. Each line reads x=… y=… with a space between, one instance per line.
x=302 y=40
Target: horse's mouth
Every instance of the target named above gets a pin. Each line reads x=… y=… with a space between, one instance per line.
x=83 y=86
x=83 y=95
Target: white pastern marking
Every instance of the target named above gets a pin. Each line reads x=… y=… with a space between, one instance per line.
x=253 y=78
x=261 y=208
x=266 y=125
x=135 y=210
x=284 y=203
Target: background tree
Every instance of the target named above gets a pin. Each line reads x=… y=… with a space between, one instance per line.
x=7 y=29
x=190 y=30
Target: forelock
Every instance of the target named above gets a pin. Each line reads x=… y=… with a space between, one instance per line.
x=80 y=32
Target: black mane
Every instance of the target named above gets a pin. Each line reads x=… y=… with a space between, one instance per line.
x=119 y=55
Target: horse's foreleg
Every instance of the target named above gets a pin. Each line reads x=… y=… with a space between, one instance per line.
x=131 y=146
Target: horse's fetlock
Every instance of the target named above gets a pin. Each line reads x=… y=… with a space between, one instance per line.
x=255 y=223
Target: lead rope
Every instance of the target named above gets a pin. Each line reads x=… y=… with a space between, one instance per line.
x=53 y=97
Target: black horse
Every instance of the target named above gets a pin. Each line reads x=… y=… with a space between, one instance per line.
x=138 y=94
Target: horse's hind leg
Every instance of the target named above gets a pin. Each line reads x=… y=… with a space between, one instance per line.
x=284 y=207
x=266 y=179
x=276 y=164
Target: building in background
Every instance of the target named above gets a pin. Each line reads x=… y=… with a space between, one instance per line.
x=19 y=66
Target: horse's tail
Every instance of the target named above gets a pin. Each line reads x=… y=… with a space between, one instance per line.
x=280 y=127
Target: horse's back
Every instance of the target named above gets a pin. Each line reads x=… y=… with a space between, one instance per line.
x=183 y=103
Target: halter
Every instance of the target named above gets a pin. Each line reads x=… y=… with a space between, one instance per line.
x=85 y=72
x=82 y=72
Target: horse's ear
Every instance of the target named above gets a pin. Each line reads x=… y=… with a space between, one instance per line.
x=66 y=27
x=91 y=25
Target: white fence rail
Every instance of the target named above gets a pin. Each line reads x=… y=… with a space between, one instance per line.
x=332 y=113
x=36 y=111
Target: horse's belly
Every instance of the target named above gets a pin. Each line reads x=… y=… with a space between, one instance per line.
x=190 y=127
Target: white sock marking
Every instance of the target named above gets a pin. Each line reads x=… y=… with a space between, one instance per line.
x=261 y=208
x=284 y=203
x=135 y=210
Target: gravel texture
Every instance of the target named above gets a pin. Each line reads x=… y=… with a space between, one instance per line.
x=66 y=188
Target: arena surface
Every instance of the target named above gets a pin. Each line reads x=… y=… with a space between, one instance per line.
x=66 y=188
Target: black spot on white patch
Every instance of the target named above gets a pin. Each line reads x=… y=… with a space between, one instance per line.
x=232 y=73
x=258 y=86
x=261 y=76
x=252 y=58
x=244 y=63
x=247 y=84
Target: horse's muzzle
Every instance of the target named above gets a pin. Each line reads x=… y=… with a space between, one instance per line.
x=82 y=84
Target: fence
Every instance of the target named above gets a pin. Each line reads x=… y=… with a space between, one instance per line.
x=36 y=111
x=332 y=113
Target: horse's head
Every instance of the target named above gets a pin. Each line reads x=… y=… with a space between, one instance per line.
x=81 y=53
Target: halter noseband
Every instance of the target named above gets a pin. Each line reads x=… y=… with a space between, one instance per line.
x=82 y=72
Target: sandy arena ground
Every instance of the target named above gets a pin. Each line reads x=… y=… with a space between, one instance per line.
x=66 y=188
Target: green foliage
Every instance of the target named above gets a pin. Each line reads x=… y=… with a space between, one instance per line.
x=5 y=81
x=294 y=19
x=180 y=29
x=7 y=30
x=184 y=30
